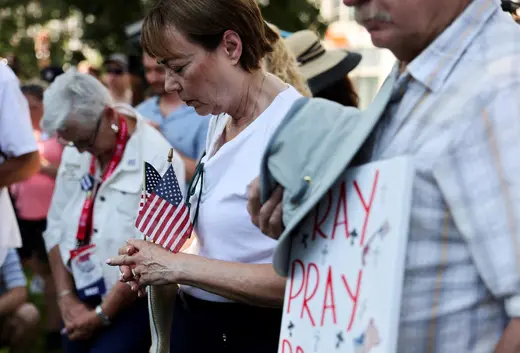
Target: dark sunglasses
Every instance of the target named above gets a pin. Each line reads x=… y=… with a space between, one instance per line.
x=115 y=71
x=198 y=176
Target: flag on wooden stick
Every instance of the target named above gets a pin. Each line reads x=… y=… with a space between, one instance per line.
x=164 y=218
x=161 y=299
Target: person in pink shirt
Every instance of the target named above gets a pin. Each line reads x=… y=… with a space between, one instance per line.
x=32 y=199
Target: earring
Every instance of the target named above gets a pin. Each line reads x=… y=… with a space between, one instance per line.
x=115 y=128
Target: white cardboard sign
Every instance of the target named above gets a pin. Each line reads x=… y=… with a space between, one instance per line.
x=347 y=264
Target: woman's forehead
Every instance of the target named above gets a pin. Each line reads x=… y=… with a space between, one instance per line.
x=172 y=59
x=170 y=45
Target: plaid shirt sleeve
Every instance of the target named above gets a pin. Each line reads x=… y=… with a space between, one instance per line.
x=480 y=181
x=12 y=271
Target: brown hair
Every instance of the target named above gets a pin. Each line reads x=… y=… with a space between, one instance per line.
x=204 y=22
x=342 y=92
x=282 y=63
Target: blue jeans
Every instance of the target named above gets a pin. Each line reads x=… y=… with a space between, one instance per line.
x=129 y=332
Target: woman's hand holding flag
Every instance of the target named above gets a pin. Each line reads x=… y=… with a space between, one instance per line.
x=143 y=263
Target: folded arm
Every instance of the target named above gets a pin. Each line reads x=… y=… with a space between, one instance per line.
x=19 y=168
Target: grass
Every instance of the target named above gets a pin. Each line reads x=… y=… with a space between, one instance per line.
x=37 y=299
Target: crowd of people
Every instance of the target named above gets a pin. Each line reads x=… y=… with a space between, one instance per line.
x=76 y=118
x=221 y=81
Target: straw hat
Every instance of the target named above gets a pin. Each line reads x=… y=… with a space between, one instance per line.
x=320 y=67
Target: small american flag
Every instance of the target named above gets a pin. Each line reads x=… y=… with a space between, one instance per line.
x=164 y=218
x=151 y=179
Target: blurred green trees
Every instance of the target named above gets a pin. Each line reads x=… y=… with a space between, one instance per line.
x=293 y=15
x=20 y=21
x=100 y=24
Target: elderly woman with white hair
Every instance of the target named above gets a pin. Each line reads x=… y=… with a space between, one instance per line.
x=95 y=202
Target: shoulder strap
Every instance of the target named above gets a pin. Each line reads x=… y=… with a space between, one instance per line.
x=192 y=188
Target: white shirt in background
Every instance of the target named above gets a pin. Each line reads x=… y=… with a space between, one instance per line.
x=224 y=228
x=16 y=133
x=16 y=139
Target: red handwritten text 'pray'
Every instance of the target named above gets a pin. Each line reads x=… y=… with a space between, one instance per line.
x=330 y=280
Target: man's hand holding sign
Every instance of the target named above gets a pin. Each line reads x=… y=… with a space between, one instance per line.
x=267 y=217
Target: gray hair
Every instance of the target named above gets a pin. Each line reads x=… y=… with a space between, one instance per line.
x=73 y=95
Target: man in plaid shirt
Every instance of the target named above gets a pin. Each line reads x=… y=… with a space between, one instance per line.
x=456 y=109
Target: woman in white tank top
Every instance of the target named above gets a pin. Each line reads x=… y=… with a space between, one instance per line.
x=230 y=297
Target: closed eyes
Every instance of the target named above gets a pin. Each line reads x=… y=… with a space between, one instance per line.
x=179 y=69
